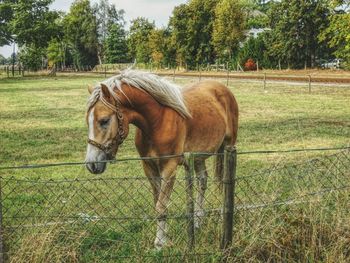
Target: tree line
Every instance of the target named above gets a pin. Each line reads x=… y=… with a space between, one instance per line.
x=285 y=33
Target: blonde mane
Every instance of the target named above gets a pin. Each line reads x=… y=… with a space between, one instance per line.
x=163 y=91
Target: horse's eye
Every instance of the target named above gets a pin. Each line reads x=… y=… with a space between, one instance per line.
x=104 y=123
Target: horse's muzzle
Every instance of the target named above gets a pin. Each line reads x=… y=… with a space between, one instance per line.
x=96 y=168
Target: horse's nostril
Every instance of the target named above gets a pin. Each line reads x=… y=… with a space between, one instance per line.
x=91 y=167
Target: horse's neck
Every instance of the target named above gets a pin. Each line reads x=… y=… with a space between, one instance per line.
x=141 y=109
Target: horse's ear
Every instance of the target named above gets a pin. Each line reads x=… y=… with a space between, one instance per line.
x=105 y=91
x=91 y=88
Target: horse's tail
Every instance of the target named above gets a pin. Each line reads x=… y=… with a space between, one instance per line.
x=219 y=165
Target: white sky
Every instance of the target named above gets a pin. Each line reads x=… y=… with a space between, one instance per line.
x=155 y=10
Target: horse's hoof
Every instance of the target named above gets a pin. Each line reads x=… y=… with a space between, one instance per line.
x=198 y=217
x=197 y=224
x=159 y=243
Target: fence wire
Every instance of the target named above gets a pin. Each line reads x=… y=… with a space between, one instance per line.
x=109 y=218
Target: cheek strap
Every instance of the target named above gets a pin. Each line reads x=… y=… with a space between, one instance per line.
x=120 y=137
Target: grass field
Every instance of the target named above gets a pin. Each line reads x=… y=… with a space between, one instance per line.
x=43 y=121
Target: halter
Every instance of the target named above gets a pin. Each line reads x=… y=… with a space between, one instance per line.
x=120 y=137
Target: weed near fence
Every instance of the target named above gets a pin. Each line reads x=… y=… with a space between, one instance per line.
x=278 y=211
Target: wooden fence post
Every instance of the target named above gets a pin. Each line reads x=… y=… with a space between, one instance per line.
x=228 y=75
x=105 y=71
x=174 y=73
x=2 y=254
x=189 y=164
x=200 y=73
x=264 y=81
x=230 y=163
x=309 y=83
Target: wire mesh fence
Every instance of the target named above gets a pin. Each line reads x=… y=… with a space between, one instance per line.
x=98 y=218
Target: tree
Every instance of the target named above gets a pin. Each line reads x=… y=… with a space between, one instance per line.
x=159 y=46
x=56 y=53
x=115 y=45
x=228 y=27
x=295 y=26
x=138 y=39
x=178 y=26
x=3 y=60
x=200 y=29
x=33 y=23
x=80 y=28
x=32 y=57
x=337 y=35
x=107 y=14
x=256 y=49
x=6 y=14
x=191 y=26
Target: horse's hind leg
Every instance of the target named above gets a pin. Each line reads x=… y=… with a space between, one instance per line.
x=219 y=164
x=202 y=177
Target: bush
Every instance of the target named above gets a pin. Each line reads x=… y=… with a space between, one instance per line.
x=250 y=65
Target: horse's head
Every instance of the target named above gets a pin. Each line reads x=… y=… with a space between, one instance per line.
x=106 y=128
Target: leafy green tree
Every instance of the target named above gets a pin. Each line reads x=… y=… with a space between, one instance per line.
x=138 y=42
x=191 y=27
x=32 y=57
x=107 y=14
x=256 y=49
x=115 y=44
x=178 y=26
x=6 y=14
x=33 y=23
x=228 y=27
x=80 y=28
x=56 y=53
x=116 y=49
x=337 y=35
x=3 y=60
x=295 y=26
x=200 y=29
x=160 y=46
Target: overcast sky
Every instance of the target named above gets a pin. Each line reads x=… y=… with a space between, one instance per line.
x=155 y=10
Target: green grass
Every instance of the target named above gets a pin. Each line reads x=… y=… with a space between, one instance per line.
x=43 y=121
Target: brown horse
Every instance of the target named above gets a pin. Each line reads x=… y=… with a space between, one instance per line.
x=169 y=121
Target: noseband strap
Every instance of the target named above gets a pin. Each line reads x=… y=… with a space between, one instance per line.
x=107 y=148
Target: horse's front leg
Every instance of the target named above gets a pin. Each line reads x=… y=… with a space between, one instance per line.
x=167 y=184
x=151 y=171
x=202 y=177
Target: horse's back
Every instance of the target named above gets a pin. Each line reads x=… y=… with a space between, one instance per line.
x=214 y=115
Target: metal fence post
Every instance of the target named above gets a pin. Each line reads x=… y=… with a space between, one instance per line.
x=230 y=163
x=2 y=258
x=189 y=162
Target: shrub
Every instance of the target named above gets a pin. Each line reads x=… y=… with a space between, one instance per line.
x=250 y=65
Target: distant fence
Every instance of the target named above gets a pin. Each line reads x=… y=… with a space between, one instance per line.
x=113 y=218
x=211 y=71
